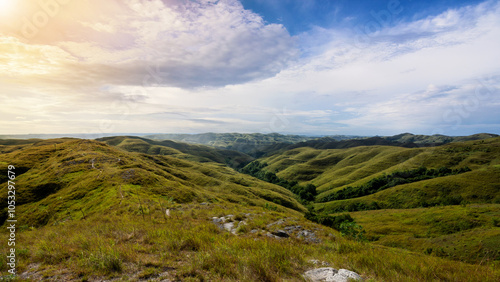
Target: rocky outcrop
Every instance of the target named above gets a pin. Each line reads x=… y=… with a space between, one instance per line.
x=276 y=231
x=331 y=275
x=228 y=223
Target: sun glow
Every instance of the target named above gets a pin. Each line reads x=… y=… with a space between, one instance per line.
x=5 y=4
x=6 y=7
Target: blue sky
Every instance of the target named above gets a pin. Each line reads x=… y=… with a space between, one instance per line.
x=291 y=66
x=300 y=16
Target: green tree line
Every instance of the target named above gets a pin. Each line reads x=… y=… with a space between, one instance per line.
x=390 y=180
x=256 y=169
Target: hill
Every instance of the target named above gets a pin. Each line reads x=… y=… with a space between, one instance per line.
x=390 y=179
x=434 y=140
x=90 y=211
x=255 y=144
x=86 y=175
x=467 y=233
x=192 y=152
x=406 y=140
x=333 y=170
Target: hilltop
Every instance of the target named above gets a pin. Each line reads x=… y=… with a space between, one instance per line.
x=198 y=153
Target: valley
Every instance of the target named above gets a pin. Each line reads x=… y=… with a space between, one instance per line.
x=132 y=207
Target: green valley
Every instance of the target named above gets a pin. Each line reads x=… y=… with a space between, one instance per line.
x=131 y=208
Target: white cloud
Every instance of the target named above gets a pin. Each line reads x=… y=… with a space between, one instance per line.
x=193 y=44
x=149 y=75
x=182 y=43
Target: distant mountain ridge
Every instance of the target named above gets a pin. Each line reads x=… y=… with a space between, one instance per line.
x=242 y=142
x=257 y=144
x=436 y=139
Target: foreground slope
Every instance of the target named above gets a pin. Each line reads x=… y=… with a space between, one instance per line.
x=90 y=212
x=60 y=178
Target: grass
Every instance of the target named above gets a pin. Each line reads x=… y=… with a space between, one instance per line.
x=90 y=211
x=198 y=153
x=335 y=168
x=469 y=233
x=188 y=248
x=332 y=170
x=84 y=177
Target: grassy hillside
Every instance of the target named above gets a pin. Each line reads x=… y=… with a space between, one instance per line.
x=441 y=200
x=335 y=169
x=406 y=140
x=192 y=152
x=89 y=211
x=80 y=177
x=436 y=139
x=468 y=233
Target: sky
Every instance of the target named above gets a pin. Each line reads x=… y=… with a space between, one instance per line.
x=312 y=67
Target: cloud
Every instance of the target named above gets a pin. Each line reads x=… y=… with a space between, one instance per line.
x=193 y=44
x=186 y=44
x=197 y=66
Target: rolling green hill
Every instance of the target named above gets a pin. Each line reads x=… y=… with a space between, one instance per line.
x=406 y=140
x=130 y=209
x=436 y=139
x=389 y=185
x=76 y=177
x=192 y=152
x=467 y=233
x=332 y=170
x=254 y=144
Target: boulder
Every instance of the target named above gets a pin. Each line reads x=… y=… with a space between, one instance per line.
x=330 y=274
x=228 y=226
x=345 y=275
x=320 y=274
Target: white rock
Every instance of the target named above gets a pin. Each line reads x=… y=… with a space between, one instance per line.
x=320 y=274
x=349 y=274
x=228 y=226
x=331 y=275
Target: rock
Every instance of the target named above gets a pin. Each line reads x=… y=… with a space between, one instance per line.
x=308 y=236
x=217 y=220
x=293 y=228
x=320 y=274
x=330 y=274
x=345 y=275
x=281 y=233
x=228 y=226
x=279 y=222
